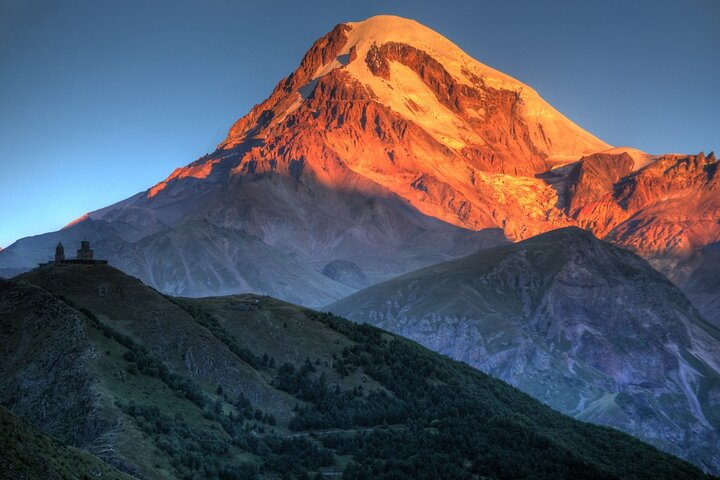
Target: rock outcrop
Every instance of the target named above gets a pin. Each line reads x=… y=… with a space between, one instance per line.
x=346 y=273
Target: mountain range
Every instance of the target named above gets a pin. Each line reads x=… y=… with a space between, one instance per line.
x=389 y=149
x=245 y=387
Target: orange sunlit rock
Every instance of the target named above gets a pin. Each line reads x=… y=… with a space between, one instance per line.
x=81 y=218
x=393 y=102
x=197 y=170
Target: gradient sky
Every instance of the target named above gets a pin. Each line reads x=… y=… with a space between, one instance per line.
x=102 y=99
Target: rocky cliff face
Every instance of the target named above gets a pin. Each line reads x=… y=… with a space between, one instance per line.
x=29 y=454
x=669 y=208
x=698 y=276
x=48 y=377
x=346 y=273
x=667 y=211
x=588 y=328
x=48 y=373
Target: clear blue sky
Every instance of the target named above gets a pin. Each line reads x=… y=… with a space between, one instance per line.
x=101 y=99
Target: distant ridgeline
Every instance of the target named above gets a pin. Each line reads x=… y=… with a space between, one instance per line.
x=84 y=255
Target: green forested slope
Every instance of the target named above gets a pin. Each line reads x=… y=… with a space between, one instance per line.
x=26 y=454
x=251 y=387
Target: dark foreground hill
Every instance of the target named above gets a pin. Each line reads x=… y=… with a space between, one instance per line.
x=584 y=326
x=248 y=387
x=26 y=453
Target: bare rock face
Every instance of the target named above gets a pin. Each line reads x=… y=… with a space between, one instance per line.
x=49 y=378
x=588 y=328
x=590 y=188
x=666 y=211
x=673 y=206
x=699 y=279
x=346 y=273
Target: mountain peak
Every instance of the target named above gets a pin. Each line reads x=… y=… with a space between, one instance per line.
x=391 y=103
x=390 y=148
x=382 y=29
x=388 y=21
x=404 y=47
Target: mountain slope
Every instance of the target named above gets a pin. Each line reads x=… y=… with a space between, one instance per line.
x=390 y=165
x=247 y=387
x=700 y=281
x=667 y=211
x=588 y=328
x=389 y=147
x=27 y=454
x=295 y=233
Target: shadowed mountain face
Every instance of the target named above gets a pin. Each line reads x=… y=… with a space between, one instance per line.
x=267 y=234
x=588 y=328
x=700 y=279
x=251 y=387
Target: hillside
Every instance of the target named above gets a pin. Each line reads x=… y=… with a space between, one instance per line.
x=248 y=386
x=26 y=454
x=588 y=328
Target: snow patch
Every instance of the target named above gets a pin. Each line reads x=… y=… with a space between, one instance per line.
x=543 y=119
x=640 y=158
